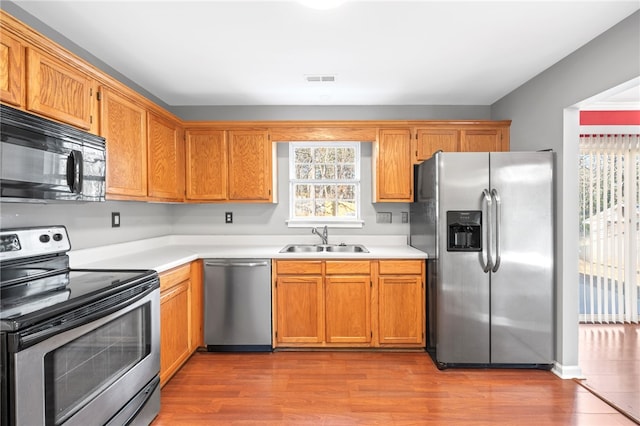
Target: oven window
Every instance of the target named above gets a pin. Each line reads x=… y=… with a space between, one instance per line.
x=78 y=371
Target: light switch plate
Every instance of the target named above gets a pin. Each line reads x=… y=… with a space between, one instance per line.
x=115 y=219
x=405 y=217
x=228 y=217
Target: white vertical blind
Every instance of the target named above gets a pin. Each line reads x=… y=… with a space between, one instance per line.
x=609 y=224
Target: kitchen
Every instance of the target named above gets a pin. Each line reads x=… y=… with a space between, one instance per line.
x=91 y=222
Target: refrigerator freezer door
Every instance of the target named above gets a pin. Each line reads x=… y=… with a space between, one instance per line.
x=522 y=285
x=462 y=287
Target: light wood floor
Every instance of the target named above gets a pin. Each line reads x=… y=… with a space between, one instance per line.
x=610 y=361
x=365 y=388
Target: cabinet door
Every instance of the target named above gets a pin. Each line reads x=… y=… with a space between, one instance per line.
x=250 y=174
x=206 y=167
x=348 y=309
x=300 y=309
x=165 y=159
x=428 y=141
x=57 y=90
x=175 y=307
x=124 y=126
x=11 y=70
x=481 y=140
x=394 y=169
x=401 y=307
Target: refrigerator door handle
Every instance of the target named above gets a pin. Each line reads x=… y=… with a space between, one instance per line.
x=488 y=204
x=496 y=197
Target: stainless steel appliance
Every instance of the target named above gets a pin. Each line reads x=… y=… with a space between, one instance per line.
x=77 y=346
x=486 y=222
x=41 y=160
x=237 y=304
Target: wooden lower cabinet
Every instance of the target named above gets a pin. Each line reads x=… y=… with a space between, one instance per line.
x=180 y=317
x=401 y=303
x=340 y=303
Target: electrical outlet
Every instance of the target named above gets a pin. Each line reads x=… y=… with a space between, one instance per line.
x=228 y=217
x=115 y=219
x=405 y=217
x=383 y=217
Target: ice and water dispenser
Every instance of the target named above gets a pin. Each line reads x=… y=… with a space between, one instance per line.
x=464 y=230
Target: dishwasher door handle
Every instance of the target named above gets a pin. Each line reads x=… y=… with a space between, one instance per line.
x=241 y=264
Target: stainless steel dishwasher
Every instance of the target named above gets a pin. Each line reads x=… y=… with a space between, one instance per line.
x=237 y=305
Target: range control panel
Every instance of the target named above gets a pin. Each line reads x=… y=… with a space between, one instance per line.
x=35 y=241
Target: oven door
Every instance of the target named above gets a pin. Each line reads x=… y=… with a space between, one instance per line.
x=89 y=373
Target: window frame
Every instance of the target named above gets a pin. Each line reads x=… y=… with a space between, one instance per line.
x=338 y=222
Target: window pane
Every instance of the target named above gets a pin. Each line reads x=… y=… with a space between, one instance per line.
x=345 y=155
x=325 y=208
x=325 y=171
x=346 y=192
x=303 y=191
x=303 y=208
x=304 y=171
x=303 y=155
x=325 y=155
x=347 y=208
x=346 y=171
x=325 y=191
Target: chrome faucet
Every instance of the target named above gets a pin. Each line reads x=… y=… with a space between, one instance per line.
x=324 y=234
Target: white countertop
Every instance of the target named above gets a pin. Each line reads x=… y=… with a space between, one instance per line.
x=163 y=253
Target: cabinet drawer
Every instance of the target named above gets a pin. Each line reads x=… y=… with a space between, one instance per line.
x=299 y=267
x=350 y=267
x=404 y=267
x=174 y=276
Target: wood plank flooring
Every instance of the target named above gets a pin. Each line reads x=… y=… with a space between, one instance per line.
x=610 y=361
x=367 y=388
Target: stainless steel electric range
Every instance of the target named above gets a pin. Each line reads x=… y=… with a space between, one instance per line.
x=77 y=346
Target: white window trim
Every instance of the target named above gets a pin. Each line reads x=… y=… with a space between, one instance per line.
x=355 y=222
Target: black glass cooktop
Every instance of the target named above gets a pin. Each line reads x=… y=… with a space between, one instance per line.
x=27 y=302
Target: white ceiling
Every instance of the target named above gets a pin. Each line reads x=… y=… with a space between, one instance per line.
x=380 y=52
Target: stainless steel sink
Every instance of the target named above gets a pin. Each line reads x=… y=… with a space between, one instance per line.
x=315 y=248
x=347 y=248
x=301 y=248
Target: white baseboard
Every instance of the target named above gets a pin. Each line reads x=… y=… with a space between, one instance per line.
x=567 y=371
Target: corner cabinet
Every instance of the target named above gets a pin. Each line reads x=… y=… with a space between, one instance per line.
x=393 y=170
x=348 y=303
x=180 y=317
x=123 y=123
x=165 y=159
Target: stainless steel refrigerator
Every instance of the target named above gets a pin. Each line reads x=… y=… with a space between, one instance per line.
x=486 y=222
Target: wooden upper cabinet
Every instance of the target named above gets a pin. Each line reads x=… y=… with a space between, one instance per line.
x=206 y=165
x=393 y=168
x=57 y=90
x=481 y=140
x=428 y=141
x=12 y=70
x=165 y=154
x=123 y=124
x=250 y=159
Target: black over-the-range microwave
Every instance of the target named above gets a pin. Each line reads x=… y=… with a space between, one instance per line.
x=41 y=160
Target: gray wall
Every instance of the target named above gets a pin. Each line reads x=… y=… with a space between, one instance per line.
x=544 y=113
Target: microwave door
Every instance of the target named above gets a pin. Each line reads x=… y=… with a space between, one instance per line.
x=47 y=170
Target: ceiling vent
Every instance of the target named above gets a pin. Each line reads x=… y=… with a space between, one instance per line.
x=320 y=78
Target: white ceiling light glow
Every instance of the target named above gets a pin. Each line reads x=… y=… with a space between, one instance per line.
x=322 y=4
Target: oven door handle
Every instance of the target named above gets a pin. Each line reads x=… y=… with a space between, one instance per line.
x=30 y=336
